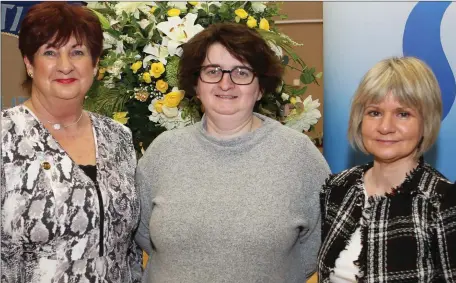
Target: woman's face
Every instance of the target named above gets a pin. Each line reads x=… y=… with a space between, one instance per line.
x=226 y=97
x=63 y=73
x=391 y=131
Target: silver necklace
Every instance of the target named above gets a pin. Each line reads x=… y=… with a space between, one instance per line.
x=58 y=126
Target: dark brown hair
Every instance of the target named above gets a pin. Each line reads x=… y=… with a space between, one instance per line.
x=243 y=43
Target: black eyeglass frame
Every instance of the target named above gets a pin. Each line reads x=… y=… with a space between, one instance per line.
x=229 y=72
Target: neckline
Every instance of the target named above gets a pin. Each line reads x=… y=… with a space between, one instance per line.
x=55 y=126
x=30 y=112
x=405 y=187
x=243 y=139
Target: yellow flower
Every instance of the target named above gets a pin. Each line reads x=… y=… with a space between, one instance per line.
x=158 y=105
x=146 y=78
x=264 y=24
x=157 y=69
x=193 y=3
x=293 y=100
x=101 y=73
x=251 y=22
x=135 y=66
x=120 y=117
x=173 y=99
x=241 y=13
x=152 y=10
x=173 y=12
x=162 y=86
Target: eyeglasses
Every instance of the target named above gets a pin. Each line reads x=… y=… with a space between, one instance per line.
x=238 y=75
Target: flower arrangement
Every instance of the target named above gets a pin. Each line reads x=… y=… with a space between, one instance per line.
x=137 y=82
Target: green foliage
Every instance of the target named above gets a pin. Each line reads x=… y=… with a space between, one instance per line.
x=131 y=28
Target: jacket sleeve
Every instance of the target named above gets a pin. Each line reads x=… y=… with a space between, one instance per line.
x=11 y=260
x=135 y=252
x=445 y=235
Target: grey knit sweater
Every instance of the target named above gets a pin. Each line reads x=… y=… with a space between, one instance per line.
x=238 y=210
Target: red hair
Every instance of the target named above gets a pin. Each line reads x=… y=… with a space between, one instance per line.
x=55 y=23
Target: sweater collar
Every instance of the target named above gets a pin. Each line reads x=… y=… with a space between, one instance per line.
x=245 y=139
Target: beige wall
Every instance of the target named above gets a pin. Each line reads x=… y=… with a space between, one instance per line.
x=311 y=36
x=13 y=72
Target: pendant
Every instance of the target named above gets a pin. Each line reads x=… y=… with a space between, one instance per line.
x=56 y=126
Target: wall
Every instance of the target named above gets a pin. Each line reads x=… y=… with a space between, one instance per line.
x=309 y=32
x=13 y=70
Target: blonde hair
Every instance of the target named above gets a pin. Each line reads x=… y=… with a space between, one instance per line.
x=412 y=83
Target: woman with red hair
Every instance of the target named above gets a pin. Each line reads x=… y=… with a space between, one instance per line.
x=69 y=206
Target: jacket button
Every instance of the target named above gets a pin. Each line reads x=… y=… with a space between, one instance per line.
x=46 y=165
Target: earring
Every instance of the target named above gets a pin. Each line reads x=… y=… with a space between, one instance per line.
x=30 y=74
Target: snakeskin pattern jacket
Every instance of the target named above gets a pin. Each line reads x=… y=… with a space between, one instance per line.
x=57 y=225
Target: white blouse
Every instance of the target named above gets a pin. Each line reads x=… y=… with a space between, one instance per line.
x=345 y=270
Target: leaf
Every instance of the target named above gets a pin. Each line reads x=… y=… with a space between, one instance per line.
x=114 y=33
x=300 y=91
x=319 y=75
x=104 y=100
x=104 y=22
x=306 y=78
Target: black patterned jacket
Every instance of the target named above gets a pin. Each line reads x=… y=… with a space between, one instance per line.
x=407 y=236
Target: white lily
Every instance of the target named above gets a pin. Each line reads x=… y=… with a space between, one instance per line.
x=109 y=42
x=179 y=31
x=116 y=68
x=258 y=7
x=95 y=5
x=173 y=121
x=308 y=117
x=156 y=52
x=133 y=8
x=310 y=105
x=200 y=4
x=144 y=23
x=112 y=21
x=277 y=49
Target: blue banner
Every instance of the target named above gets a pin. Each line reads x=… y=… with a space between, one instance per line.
x=14 y=11
x=12 y=14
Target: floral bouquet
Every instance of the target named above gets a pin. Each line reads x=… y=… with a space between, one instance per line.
x=137 y=83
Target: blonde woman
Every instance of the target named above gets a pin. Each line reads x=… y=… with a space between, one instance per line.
x=391 y=220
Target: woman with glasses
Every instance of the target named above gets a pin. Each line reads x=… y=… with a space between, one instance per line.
x=233 y=198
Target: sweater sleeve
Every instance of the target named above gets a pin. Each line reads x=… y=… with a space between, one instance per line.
x=144 y=181
x=445 y=235
x=142 y=236
x=314 y=177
